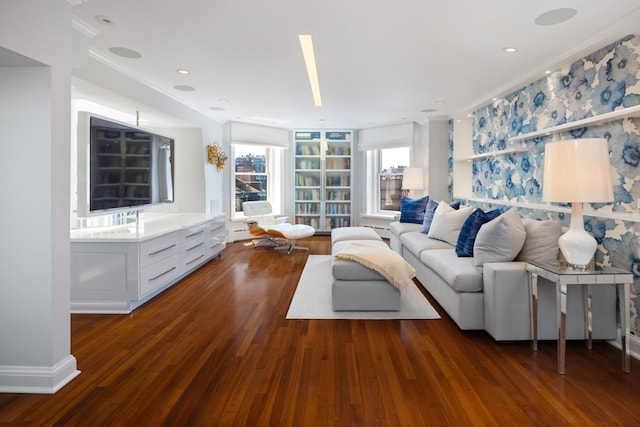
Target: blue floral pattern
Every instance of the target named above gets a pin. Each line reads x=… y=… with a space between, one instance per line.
x=605 y=80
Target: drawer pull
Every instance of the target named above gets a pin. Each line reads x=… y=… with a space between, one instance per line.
x=162 y=250
x=194 y=234
x=162 y=274
x=194 y=247
x=194 y=260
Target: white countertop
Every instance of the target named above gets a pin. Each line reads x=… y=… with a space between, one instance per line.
x=152 y=225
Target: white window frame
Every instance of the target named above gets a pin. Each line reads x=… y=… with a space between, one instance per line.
x=373 y=165
x=274 y=159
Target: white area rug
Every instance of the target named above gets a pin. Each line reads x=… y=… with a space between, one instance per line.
x=312 y=299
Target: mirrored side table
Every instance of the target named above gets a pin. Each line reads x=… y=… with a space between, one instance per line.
x=564 y=276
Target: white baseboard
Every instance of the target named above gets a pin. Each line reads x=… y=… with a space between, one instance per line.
x=634 y=344
x=38 y=379
x=102 y=307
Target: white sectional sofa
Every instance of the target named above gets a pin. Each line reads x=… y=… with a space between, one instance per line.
x=495 y=295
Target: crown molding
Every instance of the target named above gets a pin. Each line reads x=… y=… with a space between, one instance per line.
x=83 y=28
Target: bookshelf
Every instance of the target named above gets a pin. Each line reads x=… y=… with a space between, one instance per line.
x=322 y=178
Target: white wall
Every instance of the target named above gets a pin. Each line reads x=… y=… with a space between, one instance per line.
x=437 y=158
x=34 y=189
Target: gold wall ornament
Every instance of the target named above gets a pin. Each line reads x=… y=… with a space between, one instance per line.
x=216 y=156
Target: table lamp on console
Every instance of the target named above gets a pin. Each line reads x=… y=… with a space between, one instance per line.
x=412 y=179
x=577 y=171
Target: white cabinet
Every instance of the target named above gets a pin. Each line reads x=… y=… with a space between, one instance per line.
x=322 y=178
x=116 y=270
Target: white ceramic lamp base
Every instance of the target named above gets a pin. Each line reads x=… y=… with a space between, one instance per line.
x=577 y=246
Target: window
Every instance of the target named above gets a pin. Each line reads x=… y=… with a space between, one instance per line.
x=385 y=167
x=251 y=177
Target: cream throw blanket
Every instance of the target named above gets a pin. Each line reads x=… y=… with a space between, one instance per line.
x=382 y=260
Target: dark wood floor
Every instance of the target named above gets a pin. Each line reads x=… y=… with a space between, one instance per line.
x=216 y=350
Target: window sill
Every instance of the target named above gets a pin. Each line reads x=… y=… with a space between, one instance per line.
x=384 y=217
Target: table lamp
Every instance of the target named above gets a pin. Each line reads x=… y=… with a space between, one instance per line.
x=577 y=171
x=412 y=179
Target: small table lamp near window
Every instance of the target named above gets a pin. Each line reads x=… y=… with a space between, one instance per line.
x=412 y=179
x=577 y=171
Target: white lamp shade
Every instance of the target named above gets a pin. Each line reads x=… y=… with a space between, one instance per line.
x=413 y=179
x=577 y=170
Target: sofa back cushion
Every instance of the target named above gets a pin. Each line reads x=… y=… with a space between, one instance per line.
x=541 y=244
x=447 y=223
x=413 y=210
x=470 y=228
x=500 y=239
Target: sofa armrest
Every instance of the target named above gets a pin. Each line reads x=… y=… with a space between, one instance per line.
x=507 y=306
x=506 y=301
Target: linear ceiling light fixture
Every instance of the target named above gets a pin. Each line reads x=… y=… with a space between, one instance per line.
x=306 y=43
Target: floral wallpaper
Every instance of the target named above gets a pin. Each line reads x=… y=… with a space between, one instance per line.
x=604 y=81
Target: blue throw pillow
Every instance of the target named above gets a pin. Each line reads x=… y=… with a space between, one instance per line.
x=430 y=210
x=470 y=228
x=413 y=210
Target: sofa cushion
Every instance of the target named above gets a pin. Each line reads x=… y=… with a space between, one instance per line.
x=429 y=211
x=398 y=228
x=416 y=242
x=413 y=210
x=447 y=223
x=470 y=228
x=541 y=243
x=500 y=239
x=459 y=272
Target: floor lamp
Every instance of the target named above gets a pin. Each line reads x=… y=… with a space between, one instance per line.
x=412 y=179
x=577 y=171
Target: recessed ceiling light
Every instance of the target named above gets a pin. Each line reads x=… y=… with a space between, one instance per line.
x=184 y=88
x=509 y=49
x=440 y=101
x=183 y=71
x=104 y=20
x=556 y=16
x=306 y=43
x=223 y=100
x=125 y=52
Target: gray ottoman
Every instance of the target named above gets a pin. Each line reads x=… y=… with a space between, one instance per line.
x=356 y=287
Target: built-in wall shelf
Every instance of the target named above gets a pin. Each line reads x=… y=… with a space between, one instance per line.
x=624 y=216
x=493 y=154
x=600 y=118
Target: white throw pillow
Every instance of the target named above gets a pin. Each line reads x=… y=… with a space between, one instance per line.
x=447 y=222
x=500 y=239
x=541 y=243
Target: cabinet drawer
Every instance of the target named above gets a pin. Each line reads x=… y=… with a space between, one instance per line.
x=193 y=233
x=193 y=256
x=215 y=247
x=216 y=227
x=158 y=275
x=159 y=249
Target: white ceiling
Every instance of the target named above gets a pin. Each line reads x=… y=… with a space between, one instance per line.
x=379 y=61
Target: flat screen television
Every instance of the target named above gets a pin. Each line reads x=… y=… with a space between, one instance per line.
x=121 y=167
